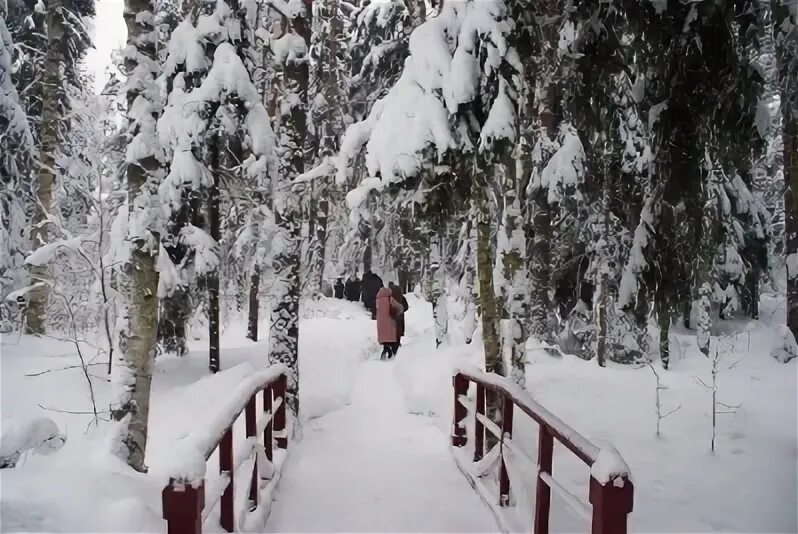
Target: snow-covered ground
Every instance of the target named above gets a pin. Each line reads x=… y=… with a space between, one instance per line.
x=748 y=485
x=374 y=455
x=82 y=488
x=374 y=467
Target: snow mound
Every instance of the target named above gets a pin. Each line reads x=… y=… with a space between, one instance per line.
x=40 y=435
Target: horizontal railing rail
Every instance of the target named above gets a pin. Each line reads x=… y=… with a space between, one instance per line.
x=184 y=498
x=611 y=492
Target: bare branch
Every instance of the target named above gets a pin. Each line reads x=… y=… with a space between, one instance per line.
x=61 y=369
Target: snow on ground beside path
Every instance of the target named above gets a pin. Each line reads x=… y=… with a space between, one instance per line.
x=748 y=485
x=81 y=487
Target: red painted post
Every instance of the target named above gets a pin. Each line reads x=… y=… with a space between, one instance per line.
x=267 y=432
x=479 y=427
x=182 y=507
x=459 y=437
x=507 y=433
x=279 y=415
x=543 y=492
x=227 y=518
x=611 y=505
x=250 y=415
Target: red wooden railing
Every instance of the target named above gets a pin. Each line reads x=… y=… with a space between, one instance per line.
x=611 y=490
x=184 y=496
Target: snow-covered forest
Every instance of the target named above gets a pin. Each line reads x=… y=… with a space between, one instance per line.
x=601 y=194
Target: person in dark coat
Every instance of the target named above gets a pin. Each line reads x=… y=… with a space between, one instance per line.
x=396 y=291
x=352 y=289
x=369 y=288
x=338 y=289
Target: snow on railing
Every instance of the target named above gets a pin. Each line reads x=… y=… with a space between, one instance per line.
x=184 y=498
x=611 y=489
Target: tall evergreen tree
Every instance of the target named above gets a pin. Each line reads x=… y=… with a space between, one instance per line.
x=15 y=153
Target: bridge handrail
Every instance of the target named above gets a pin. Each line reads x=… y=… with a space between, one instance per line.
x=184 y=496
x=611 y=489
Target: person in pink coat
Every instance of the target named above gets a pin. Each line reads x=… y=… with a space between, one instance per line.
x=387 y=332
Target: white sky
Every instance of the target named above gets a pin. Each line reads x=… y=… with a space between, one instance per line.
x=109 y=33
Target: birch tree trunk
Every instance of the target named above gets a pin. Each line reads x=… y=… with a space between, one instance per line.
x=51 y=89
x=134 y=368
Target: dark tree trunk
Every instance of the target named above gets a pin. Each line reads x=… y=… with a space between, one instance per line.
x=292 y=136
x=254 y=304
x=787 y=54
x=172 y=325
x=214 y=222
x=319 y=241
x=665 y=327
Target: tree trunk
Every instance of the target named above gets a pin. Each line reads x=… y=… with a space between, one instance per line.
x=489 y=306
x=471 y=295
x=514 y=272
x=254 y=304
x=292 y=134
x=787 y=53
x=40 y=235
x=603 y=298
x=790 y=137
x=664 y=318
x=434 y=292
x=214 y=221
x=135 y=365
x=172 y=325
x=284 y=334
x=540 y=125
x=318 y=244
x=487 y=296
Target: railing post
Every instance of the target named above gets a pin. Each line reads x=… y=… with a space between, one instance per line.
x=479 y=427
x=281 y=440
x=459 y=437
x=507 y=433
x=612 y=502
x=250 y=414
x=267 y=431
x=543 y=492
x=227 y=519
x=182 y=507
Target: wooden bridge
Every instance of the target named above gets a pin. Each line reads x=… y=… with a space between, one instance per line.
x=243 y=490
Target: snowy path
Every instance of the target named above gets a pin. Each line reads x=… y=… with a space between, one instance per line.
x=374 y=467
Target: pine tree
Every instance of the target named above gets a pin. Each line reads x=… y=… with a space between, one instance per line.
x=328 y=111
x=214 y=115
x=15 y=154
